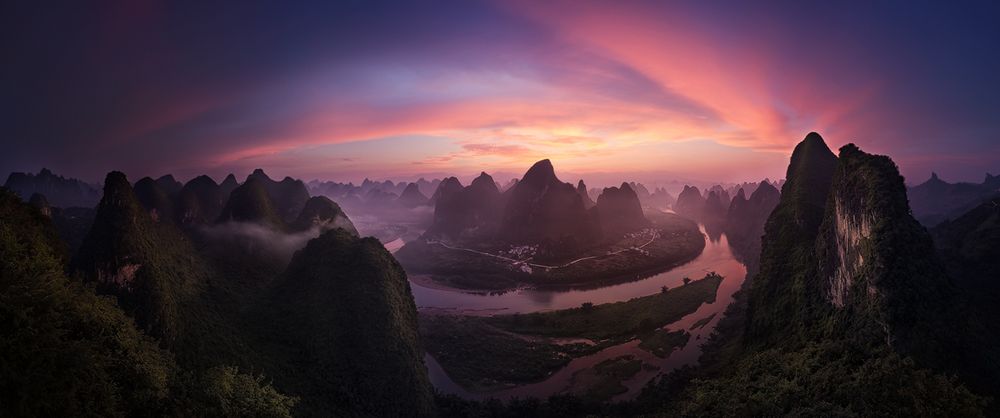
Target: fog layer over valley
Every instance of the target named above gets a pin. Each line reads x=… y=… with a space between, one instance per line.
x=259 y=238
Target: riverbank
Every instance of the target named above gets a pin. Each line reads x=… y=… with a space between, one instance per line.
x=485 y=354
x=670 y=242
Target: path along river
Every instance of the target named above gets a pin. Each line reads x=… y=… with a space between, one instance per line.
x=716 y=257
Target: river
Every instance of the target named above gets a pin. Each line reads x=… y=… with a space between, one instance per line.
x=716 y=257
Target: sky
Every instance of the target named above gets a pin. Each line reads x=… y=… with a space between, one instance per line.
x=708 y=90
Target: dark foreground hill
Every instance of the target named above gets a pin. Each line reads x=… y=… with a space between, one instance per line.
x=67 y=351
x=344 y=305
x=335 y=329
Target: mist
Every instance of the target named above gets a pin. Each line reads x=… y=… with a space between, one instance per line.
x=258 y=238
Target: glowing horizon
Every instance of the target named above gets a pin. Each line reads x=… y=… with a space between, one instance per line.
x=692 y=92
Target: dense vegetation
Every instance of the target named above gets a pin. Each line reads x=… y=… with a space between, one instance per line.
x=480 y=356
x=616 y=320
x=337 y=327
x=67 y=351
x=343 y=331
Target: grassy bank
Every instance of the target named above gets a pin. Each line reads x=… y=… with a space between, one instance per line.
x=619 y=320
x=481 y=357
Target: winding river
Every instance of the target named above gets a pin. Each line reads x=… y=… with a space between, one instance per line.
x=716 y=257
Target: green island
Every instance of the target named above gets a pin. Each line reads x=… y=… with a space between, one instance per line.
x=463 y=344
x=661 y=342
x=702 y=322
x=618 y=321
x=526 y=348
x=604 y=380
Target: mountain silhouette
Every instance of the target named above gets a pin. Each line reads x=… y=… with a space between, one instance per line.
x=411 y=197
x=289 y=195
x=540 y=208
x=619 y=211
x=690 y=203
x=200 y=201
x=60 y=191
x=250 y=202
x=324 y=214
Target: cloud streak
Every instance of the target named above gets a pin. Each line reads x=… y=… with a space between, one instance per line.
x=592 y=85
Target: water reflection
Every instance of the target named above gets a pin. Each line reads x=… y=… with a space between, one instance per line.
x=717 y=257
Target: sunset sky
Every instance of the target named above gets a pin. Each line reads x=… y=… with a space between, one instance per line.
x=340 y=91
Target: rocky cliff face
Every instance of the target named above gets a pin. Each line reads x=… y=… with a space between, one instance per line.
x=841 y=249
x=875 y=260
x=150 y=268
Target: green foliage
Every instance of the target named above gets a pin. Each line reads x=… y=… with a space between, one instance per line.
x=158 y=278
x=616 y=320
x=251 y=202
x=343 y=331
x=780 y=301
x=225 y=392
x=66 y=350
x=661 y=343
x=481 y=357
x=830 y=378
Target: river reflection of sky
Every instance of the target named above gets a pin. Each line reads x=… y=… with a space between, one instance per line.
x=716 y=257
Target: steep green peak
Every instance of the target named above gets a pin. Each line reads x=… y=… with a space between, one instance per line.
x=875 y=257
x=152 y=196
x=118 y=193
x=809 y=173
x=325 y=214
x=250 y=202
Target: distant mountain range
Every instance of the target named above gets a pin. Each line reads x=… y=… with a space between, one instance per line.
x=59 y=191
x=538 y=209
x=935 y=200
